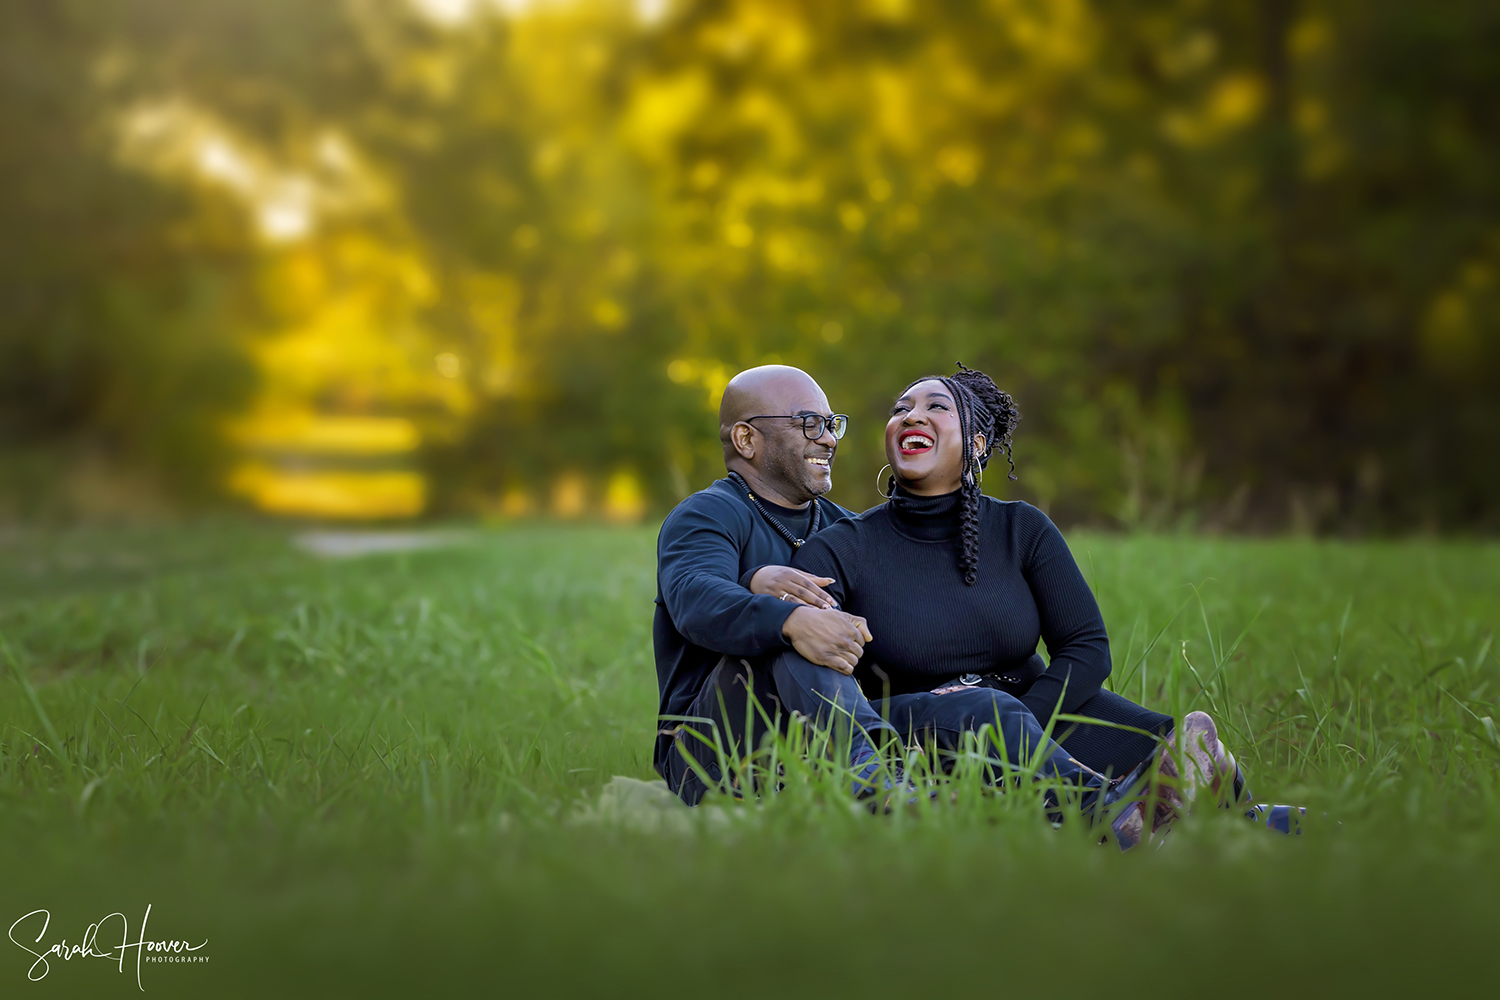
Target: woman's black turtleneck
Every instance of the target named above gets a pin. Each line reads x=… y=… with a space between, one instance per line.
x=897 y=566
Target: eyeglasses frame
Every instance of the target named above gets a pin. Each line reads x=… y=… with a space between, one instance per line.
x=826 y=422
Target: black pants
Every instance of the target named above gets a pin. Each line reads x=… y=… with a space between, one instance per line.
x=738 y=698
x=1104 y=748
x=790 y=683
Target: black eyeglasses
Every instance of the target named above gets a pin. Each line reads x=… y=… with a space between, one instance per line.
x=813 y=424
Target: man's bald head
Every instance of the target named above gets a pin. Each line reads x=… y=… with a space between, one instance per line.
x=768 y=389
x=774 y=454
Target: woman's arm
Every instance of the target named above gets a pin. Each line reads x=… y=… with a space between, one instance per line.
x=1072 y=626
x=832 y=554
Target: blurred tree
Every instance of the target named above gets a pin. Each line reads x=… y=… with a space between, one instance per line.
x=1235 y=259
x=118 y=313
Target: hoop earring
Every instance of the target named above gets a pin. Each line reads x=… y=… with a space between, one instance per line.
x=878 y=476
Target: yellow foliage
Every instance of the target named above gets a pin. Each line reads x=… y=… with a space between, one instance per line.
x=516 y=502
x=662 y=109
x=696 y=174
x=1233 y=102
x=710 y=373
x=1057 y=33
x=1311 y=115
x=313 y=433
x=785 y=251
x=739 y=234
x=959 y=164
x=852 y=216
x=1236 y=100
x=609 y=314
x=756 y=28
x=1310 y=35
x=624 y=498
x=286 y=195
x=1193 y=53
x=887 y=10
x=569 y=495
x=350 y=351
x=1449 y=338
x=357 y=495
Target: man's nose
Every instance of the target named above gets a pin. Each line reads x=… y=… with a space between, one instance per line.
x=827 y=436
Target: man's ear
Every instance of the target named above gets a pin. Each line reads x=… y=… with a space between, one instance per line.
x=742 y=436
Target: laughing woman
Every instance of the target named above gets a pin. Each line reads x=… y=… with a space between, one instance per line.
x=958 y=588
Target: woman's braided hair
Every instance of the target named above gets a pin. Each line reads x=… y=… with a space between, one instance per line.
x=983 y=408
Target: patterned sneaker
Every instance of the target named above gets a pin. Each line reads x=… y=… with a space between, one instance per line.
x=1169 y=801
x=1128 y=825
x=1208 y=763
x=1282 y=819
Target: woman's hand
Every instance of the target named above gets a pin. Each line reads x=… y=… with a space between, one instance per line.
x=828 y=638
x=793 y=585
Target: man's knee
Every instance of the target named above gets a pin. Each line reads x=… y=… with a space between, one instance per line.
x=810 y=688
x=735 y=683
x=735 y=709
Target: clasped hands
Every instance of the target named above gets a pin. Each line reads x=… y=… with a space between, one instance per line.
x=816 y=628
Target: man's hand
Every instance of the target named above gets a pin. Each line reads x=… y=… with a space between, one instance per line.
x=827 y=637
x=793 y=585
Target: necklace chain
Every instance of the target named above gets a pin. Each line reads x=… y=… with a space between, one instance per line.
x=781 y=529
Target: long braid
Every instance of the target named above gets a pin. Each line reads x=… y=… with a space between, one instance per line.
x=983 y=408
x=968 y=511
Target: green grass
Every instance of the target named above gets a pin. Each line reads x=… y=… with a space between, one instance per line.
x=376 y=777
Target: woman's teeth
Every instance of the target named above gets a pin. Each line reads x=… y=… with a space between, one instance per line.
x=914 y=441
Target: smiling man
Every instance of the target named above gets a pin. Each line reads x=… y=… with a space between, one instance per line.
x=725 y=596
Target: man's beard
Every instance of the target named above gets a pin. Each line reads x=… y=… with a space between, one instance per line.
x=788 y=468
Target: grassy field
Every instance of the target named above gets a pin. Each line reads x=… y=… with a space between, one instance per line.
x=381 y=776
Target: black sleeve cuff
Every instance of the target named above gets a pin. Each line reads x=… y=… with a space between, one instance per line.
x=749 y=574
x=1043 y=698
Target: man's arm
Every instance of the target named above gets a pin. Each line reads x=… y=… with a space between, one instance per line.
x=699 y=569
x=800 y=586
x=803 y=588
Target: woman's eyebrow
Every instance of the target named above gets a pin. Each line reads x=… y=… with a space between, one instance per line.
x=939 y=395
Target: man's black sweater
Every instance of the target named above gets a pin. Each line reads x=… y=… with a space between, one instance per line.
x=709 y=547
x=897 y=565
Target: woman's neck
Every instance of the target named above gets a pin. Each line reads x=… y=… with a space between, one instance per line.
x=902 y=489
x=926 y=518
x=928 y=487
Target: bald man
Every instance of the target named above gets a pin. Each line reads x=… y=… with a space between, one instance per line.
x=726 y=597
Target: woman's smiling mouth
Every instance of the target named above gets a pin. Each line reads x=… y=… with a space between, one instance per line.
x=914 y=443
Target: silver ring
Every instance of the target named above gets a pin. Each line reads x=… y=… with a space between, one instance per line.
x=785 y=596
